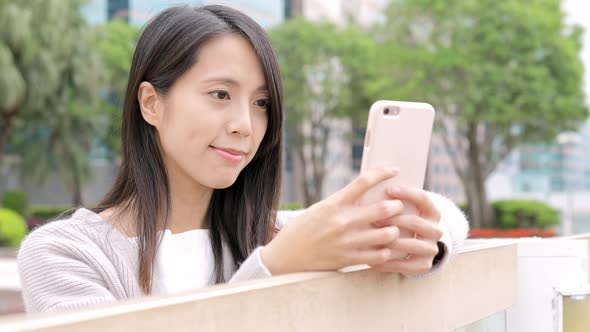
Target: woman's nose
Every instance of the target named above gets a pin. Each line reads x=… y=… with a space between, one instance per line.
x=241 y=120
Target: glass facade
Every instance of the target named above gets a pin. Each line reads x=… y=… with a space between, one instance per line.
x=118 y=9
x=553 y=167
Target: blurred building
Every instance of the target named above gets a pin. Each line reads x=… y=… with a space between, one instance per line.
x=559 y=174
x=138 y=12
x=552 y=168
x=441 y=176
x=365 y=12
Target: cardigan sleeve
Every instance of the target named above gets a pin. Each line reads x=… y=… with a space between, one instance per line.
x=455 y=228
x=59 y=272
x=253 y=267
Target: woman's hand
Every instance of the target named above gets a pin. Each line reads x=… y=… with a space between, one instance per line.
x=422 y=249
x=337 y=232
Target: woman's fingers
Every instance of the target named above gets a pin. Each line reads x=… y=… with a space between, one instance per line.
x=376 y=213
x=371 y=257
x=338 y=232
x=416 y=247
x=375 y=237
x=421 y=227
x=359 y=186
x=419 y=198
x=407 y=267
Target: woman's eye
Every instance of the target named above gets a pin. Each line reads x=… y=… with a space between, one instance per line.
x=263 y=103
x=220 y=94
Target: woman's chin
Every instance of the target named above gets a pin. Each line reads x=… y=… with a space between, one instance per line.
x=222 y=182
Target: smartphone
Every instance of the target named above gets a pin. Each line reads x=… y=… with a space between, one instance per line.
x=398 y=134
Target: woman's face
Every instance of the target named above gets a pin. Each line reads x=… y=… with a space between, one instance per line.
x=214 y=117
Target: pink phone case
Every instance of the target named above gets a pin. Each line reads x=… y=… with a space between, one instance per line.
x=398 y=134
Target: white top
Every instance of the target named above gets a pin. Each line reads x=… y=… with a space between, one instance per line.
x=184 y=261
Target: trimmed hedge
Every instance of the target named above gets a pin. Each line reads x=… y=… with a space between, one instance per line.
x=514 y=213
x=13 y=228
x=47 y=212
x=291 y=206
x=16 y=201
x=525 y=214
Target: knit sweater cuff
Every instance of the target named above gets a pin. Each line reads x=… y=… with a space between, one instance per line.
x=446 y=244
x=251 y=268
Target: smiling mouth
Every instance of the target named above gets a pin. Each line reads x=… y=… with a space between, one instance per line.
x=229 y=155
x=230 y=151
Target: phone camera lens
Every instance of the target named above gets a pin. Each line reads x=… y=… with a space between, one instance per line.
x=386 y=111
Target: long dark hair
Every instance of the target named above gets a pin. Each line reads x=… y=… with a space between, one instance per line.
x=242 y=215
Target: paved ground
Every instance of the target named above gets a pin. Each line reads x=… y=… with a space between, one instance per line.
x=10 y=299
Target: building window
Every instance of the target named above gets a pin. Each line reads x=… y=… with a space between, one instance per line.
x=118 y=9
x=436 y=168
x=526 y=187
x=436 y=149
x=446 y=169
x=557 y=183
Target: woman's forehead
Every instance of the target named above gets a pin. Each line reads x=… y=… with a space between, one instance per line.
x=230 y=59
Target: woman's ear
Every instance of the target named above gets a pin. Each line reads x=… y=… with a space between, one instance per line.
x=150 y=104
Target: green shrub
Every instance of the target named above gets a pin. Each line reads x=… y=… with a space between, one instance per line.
x=525 y=214
x=462 y=207
x=16 y=201
x=47 y=212
x=13 y=228
x=291 y=206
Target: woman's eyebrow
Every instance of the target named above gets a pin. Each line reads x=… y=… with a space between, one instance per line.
x=233 y=82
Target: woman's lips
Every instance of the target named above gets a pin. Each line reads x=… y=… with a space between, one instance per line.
x=230 y=155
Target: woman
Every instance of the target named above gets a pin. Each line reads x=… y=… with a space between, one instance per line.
x=196 y=198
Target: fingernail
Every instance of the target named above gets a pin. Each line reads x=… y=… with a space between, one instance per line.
x=395 y=190
x=392 y=170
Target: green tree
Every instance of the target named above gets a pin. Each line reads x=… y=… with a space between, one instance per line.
x=33 y=56
x=499 y=73
x=61 y=145
x=116 y=43
x=321 y=66
x=55 y=130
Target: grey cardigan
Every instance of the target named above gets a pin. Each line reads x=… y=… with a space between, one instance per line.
x=83 y=260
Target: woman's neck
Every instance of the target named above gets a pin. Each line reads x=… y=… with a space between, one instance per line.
x=189 y=202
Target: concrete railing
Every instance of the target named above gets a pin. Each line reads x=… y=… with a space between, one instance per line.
x=480 y=281
x=585 y=236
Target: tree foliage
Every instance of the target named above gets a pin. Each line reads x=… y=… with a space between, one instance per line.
x=500 y=74
x=115 y=43
x=53 y=117
x=323 y=72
